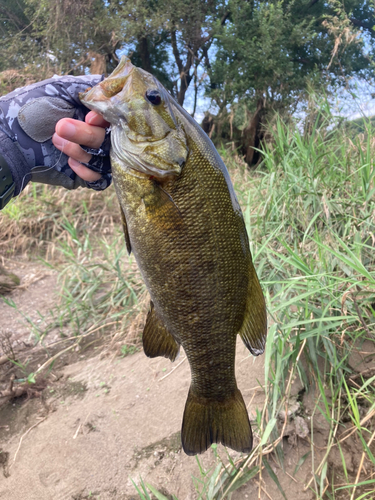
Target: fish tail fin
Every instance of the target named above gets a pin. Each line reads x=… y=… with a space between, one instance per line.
x=206 y=421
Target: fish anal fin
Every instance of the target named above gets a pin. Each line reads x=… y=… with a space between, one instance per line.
x=157 y=341
x=208 y=421
x=126 y=233
x=253 y=331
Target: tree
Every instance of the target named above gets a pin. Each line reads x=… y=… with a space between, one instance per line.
x=40 y=38
x=191 y=27
x=271 y=53
x=169 y=38
x=255 y=57
x=174 y=33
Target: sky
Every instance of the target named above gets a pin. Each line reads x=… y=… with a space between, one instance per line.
x=357 y=103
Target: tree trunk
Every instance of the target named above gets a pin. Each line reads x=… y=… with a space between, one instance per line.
x=98 y=64
x=184 y=70
x=208 y=124
x=252 y=135
x=144 y=54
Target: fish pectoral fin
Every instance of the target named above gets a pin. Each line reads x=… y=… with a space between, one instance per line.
x=160 y=204
x=253 y=331
x=208 y=421
x=157 y=341
x=126 y=233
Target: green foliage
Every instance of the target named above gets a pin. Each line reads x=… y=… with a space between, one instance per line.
x=171 y=39
x=168 y=38
x=99 y=284
x=253 y=58
x=126 y=350
x=278 y=49
x=55 y=36
x=96 y=291
x=217 y=483
x=270 y=56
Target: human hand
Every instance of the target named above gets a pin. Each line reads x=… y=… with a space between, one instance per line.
x=71 y=134
x=28 y=117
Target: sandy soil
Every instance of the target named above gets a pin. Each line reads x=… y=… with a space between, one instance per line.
x=104 y=420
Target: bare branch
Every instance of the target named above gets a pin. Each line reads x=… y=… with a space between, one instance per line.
x=225 y=17
x=176 y=52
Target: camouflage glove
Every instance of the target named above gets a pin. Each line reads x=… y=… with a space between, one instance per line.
x=28 y=117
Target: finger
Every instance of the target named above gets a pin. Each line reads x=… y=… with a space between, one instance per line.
x=93 y=118
x=85 y=173
x=80 y=132
x=71 y=149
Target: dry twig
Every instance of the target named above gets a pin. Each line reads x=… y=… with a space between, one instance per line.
x=361 y=466
x=23 y=436
x=173 y=369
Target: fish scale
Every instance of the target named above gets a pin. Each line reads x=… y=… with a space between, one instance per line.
x=184 y=225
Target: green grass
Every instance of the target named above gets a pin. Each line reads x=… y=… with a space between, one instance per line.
x=309 y=210
x=99 y=286
x=312 y=240
x=79 y=235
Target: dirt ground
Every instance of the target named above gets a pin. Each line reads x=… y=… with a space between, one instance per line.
x=102 y=420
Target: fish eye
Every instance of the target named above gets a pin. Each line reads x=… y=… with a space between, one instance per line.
x=154 y=97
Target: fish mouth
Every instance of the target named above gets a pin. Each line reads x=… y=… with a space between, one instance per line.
x=108 y=88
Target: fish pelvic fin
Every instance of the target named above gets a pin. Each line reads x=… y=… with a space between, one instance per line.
x=253 y=331
x=208 y=421
x=157 y=341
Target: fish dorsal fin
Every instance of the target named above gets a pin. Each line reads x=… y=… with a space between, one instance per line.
x=126 y=233
x=157 y=341
x=253 y=331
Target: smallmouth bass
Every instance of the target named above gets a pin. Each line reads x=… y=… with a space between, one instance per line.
x=184 y=225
